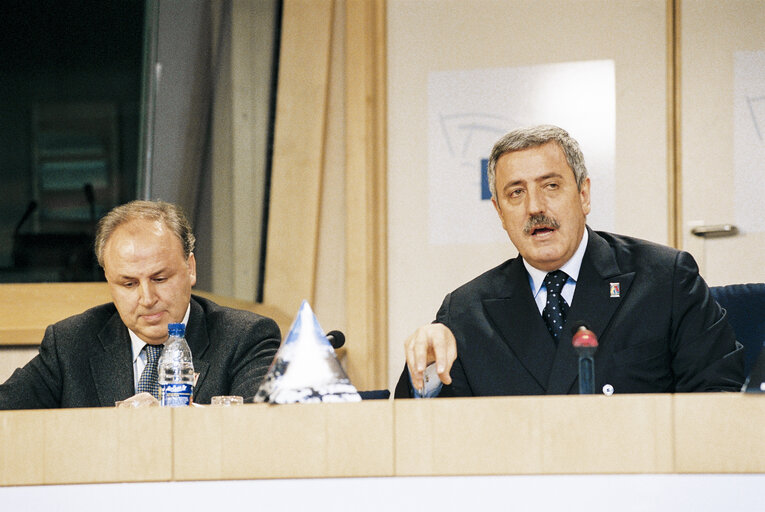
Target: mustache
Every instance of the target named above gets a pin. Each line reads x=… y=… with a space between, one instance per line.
x=540 y=220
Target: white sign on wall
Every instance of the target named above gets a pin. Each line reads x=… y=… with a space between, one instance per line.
x=469 y=110
x=749 y=139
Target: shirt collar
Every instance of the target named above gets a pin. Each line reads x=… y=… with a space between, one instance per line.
x=571 y=267
x=138 y=344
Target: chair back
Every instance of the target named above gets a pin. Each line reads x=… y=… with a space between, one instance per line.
x=745 y=304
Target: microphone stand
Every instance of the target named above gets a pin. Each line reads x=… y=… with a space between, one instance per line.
x=585 y=343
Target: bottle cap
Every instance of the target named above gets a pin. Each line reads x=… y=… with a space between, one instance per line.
x=176 y=329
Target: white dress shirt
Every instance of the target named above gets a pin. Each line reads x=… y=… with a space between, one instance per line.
x=139 y=356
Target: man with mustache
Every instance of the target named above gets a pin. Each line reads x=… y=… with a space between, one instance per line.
x=508 y=331
x=100 y=356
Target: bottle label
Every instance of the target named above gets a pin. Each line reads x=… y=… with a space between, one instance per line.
x=176 y=395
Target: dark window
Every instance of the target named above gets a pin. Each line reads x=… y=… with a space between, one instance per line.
x=70 y=89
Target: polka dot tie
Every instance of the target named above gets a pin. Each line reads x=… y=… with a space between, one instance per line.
x=554 y=313
x=149 y=377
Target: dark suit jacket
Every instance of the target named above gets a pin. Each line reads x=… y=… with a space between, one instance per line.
x=664 y=333
x=86 y=360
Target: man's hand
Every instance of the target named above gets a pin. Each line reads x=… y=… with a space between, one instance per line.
x=430 y=343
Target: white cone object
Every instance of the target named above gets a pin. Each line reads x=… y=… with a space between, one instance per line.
x=305 y=368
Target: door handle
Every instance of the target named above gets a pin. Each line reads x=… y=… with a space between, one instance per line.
x=716 y=231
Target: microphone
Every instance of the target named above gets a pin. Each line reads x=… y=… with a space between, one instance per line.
x=336 y=339
x=585 y=343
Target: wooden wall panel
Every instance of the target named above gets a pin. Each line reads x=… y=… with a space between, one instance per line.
x=298 y=153
x=366 y=194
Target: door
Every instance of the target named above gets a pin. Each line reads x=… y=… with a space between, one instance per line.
x=722 y=150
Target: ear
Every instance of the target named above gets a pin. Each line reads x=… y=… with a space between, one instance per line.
x=191 y=264
x=584 y=196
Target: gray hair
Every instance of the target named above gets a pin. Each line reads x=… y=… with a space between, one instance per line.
x=525 y=138
x=169 y=214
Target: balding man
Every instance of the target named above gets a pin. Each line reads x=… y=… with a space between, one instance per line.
x=98 y=357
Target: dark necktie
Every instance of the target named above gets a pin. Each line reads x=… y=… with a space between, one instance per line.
x=554 y=313
x=148 y=382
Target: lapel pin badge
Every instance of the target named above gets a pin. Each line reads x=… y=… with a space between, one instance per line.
x=614 y=290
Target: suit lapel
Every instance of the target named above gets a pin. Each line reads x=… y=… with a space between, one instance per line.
x=593 y=303
x=112 y=366
x=520 y=325
x=198 y=340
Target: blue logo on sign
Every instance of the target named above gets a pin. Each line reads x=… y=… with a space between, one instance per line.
x=485 y=192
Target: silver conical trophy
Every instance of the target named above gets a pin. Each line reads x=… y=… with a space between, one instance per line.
x=305 y=368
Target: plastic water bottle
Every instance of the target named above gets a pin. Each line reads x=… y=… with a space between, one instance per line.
x=176 y=369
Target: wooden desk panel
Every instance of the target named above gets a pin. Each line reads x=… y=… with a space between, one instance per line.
x=477 y=436
x=652 y=434
x=287 y=441
x=534 y=435
x=597 y=434
x=22 y=447
x=720 y=433
x=85 y=446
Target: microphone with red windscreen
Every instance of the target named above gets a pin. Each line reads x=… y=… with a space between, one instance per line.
x=585 y=343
